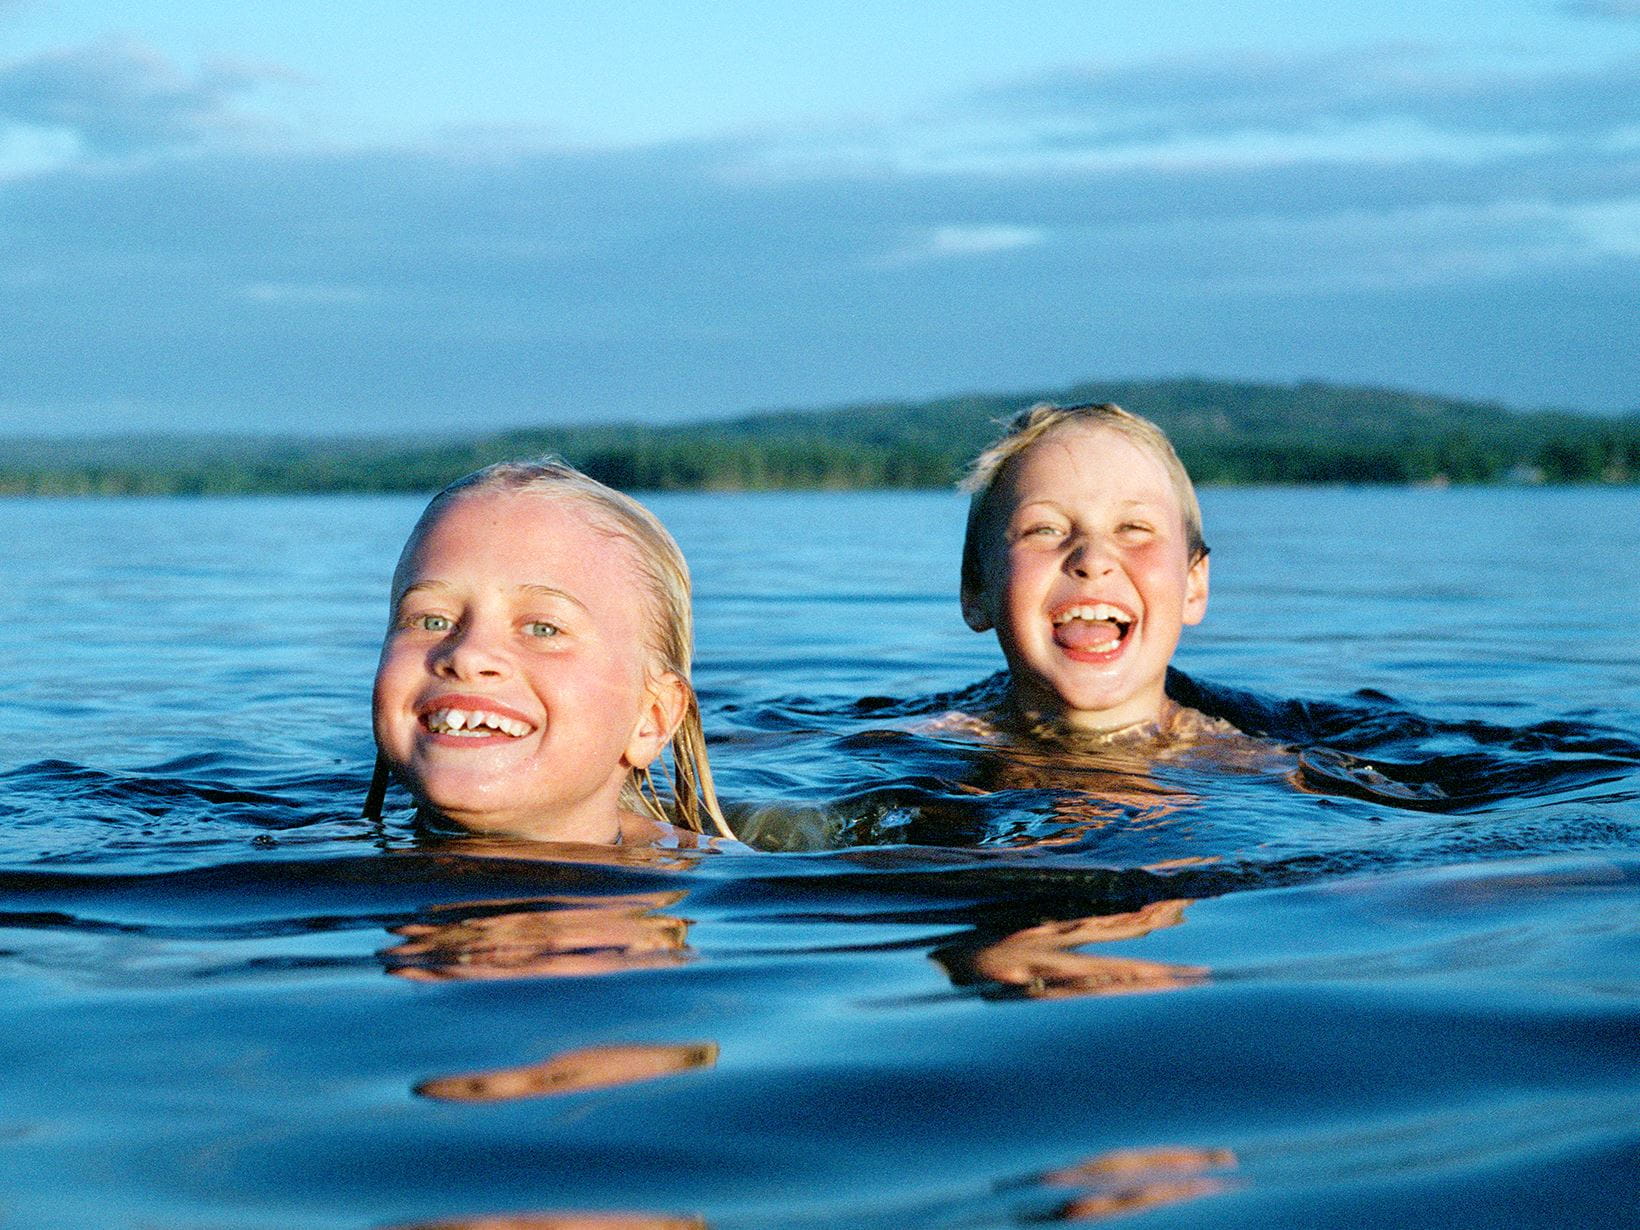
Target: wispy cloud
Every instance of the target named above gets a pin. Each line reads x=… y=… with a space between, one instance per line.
x=1290 y=216
x=120 y=96
x=1603 y=10
x=1110 y=105
x=304 y=293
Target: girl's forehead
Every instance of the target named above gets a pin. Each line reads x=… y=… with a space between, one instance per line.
x=527 y=516
x=520 y=533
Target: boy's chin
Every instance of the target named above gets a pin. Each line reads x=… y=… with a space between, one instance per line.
x=1088 y=714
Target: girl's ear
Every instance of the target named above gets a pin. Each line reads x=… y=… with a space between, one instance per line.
x=665 y=701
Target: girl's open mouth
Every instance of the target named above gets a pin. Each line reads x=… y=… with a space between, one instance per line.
x=467 y=717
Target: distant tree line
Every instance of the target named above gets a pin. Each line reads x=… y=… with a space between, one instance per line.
x=1226 y=433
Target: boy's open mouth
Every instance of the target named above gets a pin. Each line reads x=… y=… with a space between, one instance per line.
x=474 y=723
x=1091 y=627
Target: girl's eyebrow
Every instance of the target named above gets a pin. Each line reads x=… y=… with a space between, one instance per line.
x=548 y=591
x=417 y=587
x=537 y=591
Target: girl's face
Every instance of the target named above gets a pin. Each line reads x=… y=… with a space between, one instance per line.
x=515 y=690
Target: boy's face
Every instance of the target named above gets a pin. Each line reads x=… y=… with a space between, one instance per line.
x=1086 y=577
x=513 y=692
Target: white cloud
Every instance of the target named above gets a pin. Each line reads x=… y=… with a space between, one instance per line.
x=976 y=240
x=956 y=242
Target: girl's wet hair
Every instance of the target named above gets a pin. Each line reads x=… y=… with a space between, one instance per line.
x=671 y=621
x=1029 y=426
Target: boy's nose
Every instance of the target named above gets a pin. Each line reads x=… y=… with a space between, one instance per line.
x=1087 y=558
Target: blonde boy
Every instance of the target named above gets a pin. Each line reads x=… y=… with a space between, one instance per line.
x=1084 y=553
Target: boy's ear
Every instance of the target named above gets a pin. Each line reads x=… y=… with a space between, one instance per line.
x=665 y=701
x=1195 y=591
x=974 y=613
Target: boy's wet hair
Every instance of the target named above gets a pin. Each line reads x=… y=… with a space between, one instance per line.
x=1029 y=426
x=671 y=620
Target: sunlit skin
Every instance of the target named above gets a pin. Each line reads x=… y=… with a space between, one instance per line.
x=520 y=605
x=1085 y=520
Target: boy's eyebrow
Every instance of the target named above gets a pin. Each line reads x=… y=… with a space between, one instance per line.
x=1139 y=501
x=1042 y=503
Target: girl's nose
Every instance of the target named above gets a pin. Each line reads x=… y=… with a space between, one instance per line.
x=472 y=653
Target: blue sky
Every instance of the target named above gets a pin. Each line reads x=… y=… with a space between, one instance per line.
x=386 y=215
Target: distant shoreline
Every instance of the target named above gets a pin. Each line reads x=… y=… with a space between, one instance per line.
x=1228 y=434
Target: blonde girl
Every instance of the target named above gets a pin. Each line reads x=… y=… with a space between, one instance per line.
x=536 y=666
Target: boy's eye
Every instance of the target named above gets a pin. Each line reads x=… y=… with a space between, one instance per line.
x=541 y=628
x=1042 y=531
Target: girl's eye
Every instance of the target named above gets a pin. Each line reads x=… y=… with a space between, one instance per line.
x=431 y=623
x=540 y=628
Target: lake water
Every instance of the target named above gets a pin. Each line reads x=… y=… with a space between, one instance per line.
x=1395 y=981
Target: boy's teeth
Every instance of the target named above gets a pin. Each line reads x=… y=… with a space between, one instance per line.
x=1094 y=611
x=470 y=723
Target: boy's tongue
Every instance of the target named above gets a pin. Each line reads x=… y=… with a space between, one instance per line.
x=1091 y=635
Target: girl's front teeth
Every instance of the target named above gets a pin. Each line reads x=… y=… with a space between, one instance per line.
x=474 y=723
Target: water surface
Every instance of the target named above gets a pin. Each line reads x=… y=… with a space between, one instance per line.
x=1392 y=969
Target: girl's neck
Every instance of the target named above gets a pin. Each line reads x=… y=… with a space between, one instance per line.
x=591 y=826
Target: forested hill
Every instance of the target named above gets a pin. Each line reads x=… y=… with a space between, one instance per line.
x=1226 y=433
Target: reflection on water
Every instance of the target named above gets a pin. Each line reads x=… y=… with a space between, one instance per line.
x=592 y=1067
x=1131 y=1180
x=1101 y=1188
x=1043 y=962
x=563 y=1221
x=1339 y=962
x=547 y=937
